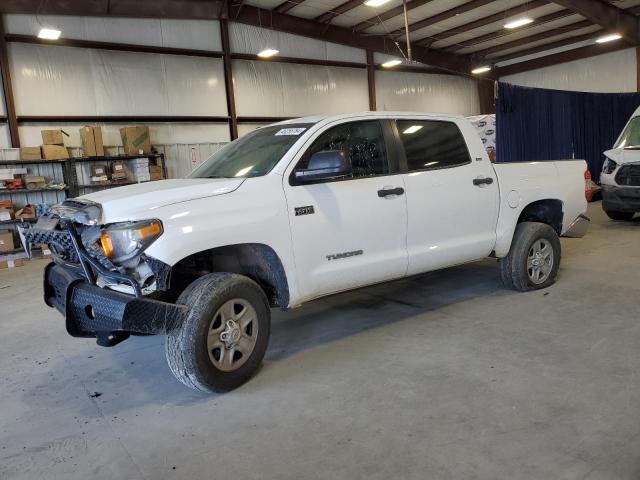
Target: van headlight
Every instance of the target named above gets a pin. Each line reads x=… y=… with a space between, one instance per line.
x=609 y=166
x=123 y=241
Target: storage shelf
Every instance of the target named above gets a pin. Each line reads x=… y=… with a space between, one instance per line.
x=30 y=162
x=110 y=184
x=108 y=158
x=18 y=220
x=35 y=190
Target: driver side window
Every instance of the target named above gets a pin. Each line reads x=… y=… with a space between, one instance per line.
x=362 y=143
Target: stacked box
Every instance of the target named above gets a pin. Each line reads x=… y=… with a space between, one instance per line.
x=140 y=168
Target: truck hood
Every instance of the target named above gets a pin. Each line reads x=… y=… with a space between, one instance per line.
x=124 y=203
x=622 y=156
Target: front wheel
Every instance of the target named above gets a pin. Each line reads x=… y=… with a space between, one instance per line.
x=222 y=341
x=613 y=215
x=534 y=257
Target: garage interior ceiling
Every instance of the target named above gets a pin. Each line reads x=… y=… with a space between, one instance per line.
x=448 y=35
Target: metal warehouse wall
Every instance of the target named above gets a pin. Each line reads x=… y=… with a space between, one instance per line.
x=65 y=81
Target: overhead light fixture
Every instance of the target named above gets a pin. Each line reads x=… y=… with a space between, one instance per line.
x=375 y=3
x=520 y=22
x=482 y=69
x=391 y=63
x=49 y=34
x=609 y=38
x=268 y=52
x=412 y=129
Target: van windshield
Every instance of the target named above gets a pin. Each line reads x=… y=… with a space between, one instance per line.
x=253 y=155
x=630 y=138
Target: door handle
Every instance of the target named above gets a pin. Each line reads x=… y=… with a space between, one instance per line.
x=482 y=181
x=390 y=191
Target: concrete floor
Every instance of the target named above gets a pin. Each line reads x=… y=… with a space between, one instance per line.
x=446 y=376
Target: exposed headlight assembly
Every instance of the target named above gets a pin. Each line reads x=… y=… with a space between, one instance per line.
x=609 y=166
x=121 y=242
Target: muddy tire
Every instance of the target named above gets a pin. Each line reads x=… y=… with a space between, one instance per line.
x=534 y=258
x=224 y=338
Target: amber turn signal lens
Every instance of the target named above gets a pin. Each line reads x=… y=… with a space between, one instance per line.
x=105 y=244
x=151 y=230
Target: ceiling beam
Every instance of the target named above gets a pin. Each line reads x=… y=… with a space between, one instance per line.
x=562 y=57
x=548 y=46
x=251 y=15
x=532 y=38
x=287 y=5
x=339 y=10
x=388 y=14
x=503 y=32
x=191 y=9
x=607 y=16
x=440 y=17
x=481 y=22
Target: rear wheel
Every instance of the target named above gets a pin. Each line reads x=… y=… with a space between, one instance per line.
x=613 y=215
x=534 y=257
x=224 y=338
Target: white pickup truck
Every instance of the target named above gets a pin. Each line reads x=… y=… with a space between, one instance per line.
x=292 y=212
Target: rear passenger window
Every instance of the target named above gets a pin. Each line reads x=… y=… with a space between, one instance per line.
x=431 y=144
x=362 y=142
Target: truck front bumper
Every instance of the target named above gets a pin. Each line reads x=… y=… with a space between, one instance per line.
x=109 y=316
x=620 y=199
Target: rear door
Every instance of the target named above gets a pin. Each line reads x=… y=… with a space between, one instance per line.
x=452 y=195
x=349 y=232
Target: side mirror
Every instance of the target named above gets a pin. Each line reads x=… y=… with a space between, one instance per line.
x=325 y=165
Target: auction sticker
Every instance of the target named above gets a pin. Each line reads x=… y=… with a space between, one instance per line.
x=290 y=131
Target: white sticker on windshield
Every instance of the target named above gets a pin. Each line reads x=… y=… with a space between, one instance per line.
x=290 y=131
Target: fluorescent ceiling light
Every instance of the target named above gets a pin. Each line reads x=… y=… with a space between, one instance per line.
x=413 y=129
x=483 y=69
x=609 y=38
x=375 y=3
x=49 y=34
x=520 y=22
x=391 y=63
x=268 y=52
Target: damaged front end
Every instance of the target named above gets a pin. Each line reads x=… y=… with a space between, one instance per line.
x=100 y=278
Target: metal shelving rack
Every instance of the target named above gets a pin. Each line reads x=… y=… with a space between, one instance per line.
x=72 y=186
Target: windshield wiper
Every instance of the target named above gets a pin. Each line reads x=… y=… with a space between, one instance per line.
x=216 y=176
x=632 y=147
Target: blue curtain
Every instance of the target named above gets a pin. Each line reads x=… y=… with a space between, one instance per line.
x=540 y=124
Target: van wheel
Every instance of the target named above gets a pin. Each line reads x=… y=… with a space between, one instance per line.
x=222 y=341
x=613 y=215
x=534 y=258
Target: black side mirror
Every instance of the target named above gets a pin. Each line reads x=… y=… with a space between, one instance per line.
x=325 y=165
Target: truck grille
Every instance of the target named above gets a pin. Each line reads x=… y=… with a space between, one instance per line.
x=629 y=175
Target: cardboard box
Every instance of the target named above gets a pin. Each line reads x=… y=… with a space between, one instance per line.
x=53 y=137
x=155 y=172
x=12 y=263
x=26 y=212
x=5 y=214
x=54 y=152
x=30 y=153
x=135 y=139
x=6 y=241
x=10 y=173
x=33 y=182
x=118 y=171
x=91 y=138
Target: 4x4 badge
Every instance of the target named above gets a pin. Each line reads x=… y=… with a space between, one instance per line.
x=308 y=210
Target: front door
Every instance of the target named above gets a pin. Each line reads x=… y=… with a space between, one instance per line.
x=349 y=232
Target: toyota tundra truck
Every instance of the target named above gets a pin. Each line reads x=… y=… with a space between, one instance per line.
x=292 y=212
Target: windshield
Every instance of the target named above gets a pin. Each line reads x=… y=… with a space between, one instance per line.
x=253 y=155
x=630 y=138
